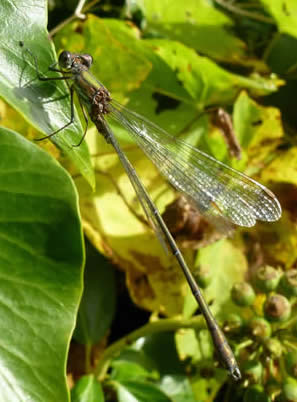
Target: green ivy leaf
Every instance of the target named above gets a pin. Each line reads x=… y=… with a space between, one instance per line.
x=198 y=24
x=205 y=81
x=87 y=389
x=40 y=268
x=140 y=391
x=43 y=104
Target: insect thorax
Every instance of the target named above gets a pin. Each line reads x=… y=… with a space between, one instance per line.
x=100 y=103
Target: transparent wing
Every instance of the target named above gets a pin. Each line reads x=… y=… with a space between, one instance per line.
x=219 y=192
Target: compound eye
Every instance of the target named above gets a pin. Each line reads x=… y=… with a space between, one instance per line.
x=65 y=59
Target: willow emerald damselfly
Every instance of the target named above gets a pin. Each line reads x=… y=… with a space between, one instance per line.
x=223 y=195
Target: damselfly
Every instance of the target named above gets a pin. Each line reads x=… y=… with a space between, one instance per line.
x=222 y=194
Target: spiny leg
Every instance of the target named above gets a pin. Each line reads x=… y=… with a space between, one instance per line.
x=41 y=78
x=86 y=120
x=66 y=125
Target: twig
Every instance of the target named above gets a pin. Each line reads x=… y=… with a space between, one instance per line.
x=237 y=10
x=223 y=121
x=78 y=11
x=76 y=15
x=170 y=324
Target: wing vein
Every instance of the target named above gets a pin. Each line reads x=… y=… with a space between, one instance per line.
x=218 y=191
